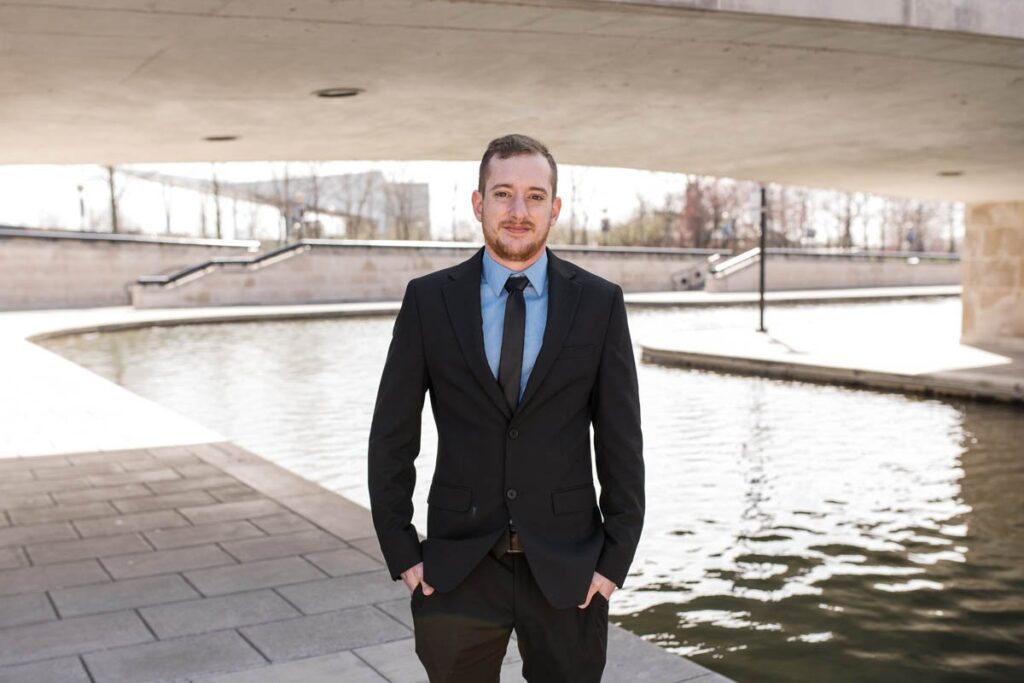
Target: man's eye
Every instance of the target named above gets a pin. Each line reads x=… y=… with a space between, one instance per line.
x=538 y=197
x=501 y=194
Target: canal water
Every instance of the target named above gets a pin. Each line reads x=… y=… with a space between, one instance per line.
x=794 y=531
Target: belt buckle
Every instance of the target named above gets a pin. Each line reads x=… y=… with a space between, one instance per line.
x=513 y=543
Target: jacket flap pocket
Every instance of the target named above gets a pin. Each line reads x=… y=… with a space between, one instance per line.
x=576 y=499
x=456 y=498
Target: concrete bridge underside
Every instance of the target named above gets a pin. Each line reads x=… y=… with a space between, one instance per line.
x=919 y=98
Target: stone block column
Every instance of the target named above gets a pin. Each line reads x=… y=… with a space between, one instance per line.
x=993 y=276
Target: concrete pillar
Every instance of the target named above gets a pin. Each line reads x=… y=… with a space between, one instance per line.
x=993 y=276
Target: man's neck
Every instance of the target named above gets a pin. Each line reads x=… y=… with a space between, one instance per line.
x=515 y=266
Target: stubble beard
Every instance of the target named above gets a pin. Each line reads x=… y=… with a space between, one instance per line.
x=520 y=251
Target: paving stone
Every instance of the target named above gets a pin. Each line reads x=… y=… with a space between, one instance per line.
x=224 y=453
x=283 y=524
x=123 y=594
x=334 y=514
x=632 y=659
x=102 y=493
x=261 y=574
x=60 y=513
x=197 y=470
x=30 y=608
x=66 y=551
x=343 y=561
x=214 y=614
x=144 y=464
x=191 y=484
x=273 y=480
x=343 y=667
x=147 y=476
x=400 y=609
x=4 y=522
x=71 y=636
x=40 y=533
x=77 y=471
x=31 y=500
x=63 y=670
x=204 y=533
x=225 y=512
x=140 y=521
x=33 y=462
x=12 y=558
x=281 y=545
x=324 y=633
x=120 y=455
x=22 y=475
x=346 y=591
x=228 y=494
x=46 y=577
x=166 y=561
x=181 y=659
x=369 y=545
x=25 y=488
x=171 y=453
x=171 y=500
x=396 y=660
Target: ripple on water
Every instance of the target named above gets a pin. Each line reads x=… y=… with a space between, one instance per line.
x=794 y=532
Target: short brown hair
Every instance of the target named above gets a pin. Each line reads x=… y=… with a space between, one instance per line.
x=514 y=145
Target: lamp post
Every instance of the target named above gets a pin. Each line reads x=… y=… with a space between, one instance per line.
x=764 y=252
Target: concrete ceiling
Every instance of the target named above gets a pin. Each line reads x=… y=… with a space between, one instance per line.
x=847 y=104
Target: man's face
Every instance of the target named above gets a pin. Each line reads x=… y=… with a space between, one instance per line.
x=516 y=208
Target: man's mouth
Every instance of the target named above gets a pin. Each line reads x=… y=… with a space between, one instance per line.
x=517 y=229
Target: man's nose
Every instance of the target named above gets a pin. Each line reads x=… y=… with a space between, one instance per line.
x=518 y=207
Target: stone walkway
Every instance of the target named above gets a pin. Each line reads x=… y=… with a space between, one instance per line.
x=138 y=546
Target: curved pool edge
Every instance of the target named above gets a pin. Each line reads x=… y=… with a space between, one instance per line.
x=362 y=608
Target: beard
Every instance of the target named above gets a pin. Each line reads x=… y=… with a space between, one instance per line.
x=520 y=249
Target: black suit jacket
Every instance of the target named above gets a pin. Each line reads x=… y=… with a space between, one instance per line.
x=531 y=465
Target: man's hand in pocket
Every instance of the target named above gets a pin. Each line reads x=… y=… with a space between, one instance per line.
x=413 y=576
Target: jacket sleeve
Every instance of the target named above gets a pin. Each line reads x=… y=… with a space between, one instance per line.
x=395 y=440
x=618 y=446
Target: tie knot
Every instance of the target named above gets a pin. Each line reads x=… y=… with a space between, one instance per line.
x=516 y=282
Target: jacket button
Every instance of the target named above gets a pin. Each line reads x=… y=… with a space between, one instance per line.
x=513 y=433
x=511 y=494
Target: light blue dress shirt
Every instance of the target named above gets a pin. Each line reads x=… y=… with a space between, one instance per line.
x=492 y=306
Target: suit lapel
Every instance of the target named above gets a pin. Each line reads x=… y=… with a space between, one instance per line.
x=462 y=298
x=563 y=298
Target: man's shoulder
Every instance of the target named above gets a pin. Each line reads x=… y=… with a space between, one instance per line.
x=587 y=278
x=439 y=277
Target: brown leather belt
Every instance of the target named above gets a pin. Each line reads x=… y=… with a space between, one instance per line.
x=513 y=543
x=508 y=542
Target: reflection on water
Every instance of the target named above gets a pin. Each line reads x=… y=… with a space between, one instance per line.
x=794 y=532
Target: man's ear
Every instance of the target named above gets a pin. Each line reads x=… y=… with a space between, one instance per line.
x=556 y=208
x=478 y=205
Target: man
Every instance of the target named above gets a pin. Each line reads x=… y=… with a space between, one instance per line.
x=521 y=352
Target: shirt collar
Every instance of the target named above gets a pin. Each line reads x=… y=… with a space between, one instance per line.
x=495 y=274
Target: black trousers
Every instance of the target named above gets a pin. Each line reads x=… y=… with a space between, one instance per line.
x=462 y=636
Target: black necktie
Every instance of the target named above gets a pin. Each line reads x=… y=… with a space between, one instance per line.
x=510 y=367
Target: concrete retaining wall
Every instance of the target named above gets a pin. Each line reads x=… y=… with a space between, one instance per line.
x=323 y=271
x=796 y=272
x=993 y=298
x=40 y=269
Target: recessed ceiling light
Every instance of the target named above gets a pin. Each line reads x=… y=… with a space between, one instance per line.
x=950 y=174
x=337 y=92
x=220 y=138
